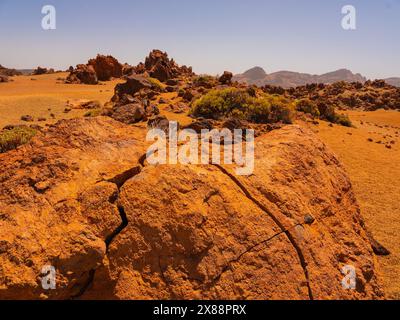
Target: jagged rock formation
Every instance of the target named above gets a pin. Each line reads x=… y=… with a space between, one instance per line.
x=226 y=78
x=82 y=74
x=370 y=96
x=82 y=198
x=159 y=66
x=106 y=67
x=127 y=69
x=102 y=68
x=40 y=70
x=131 y=103
x=9 y=72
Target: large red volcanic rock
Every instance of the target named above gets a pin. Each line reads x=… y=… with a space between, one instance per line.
x=159 y=66
x=81 y=197
x=106 y=67
x=82 y=74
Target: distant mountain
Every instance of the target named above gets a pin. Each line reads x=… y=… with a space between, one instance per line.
x=256 y=73
x=393 y=81
x=288 y=79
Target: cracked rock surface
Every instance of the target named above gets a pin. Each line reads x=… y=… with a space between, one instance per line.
x=81 y=198
x=56 y=206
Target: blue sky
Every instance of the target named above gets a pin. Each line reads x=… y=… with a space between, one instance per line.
x=210 y=35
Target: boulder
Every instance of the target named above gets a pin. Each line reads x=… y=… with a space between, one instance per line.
x=187 y=94
x=9 y=72
x=134 y=84
x=84 y=104
x=159 y=122
x=81 y=197
x=82 y=74
x=129 y=113
x=202 y=124
x=201 y=232
x=106 y=67
x=127 y=69
x=159 y=66
x=27 y=118
x=3 y=78
x=178 y=108
x=226 y=78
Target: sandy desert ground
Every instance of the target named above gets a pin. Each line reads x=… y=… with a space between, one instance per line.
x=375 y=172
x=364 y=150
x=35 y=95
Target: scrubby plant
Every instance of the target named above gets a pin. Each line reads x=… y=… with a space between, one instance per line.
x=343 y=120
x=94 y=113
x=156 y=83
x=308 y=106
x=328 y=112
x=205 y=81
x=15 y=137
x=238 y=103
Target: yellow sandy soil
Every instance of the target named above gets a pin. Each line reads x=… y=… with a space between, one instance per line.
x=24 y=96
x=375 y=173
x=373 y=168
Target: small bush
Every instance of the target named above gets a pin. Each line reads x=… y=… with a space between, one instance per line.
x=308 y=106
x=94 y=113
x=15 y=137
x=156 y=83
x=328 y=112
x=205 y=81
x=343 y=120
x=239 y=104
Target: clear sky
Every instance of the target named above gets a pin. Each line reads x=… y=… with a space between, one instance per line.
x=210 y=35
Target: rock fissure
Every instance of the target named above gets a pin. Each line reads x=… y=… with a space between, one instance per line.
x=253 y=247
x=277 y=222
x=119 y=180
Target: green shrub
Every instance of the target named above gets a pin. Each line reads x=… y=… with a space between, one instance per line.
x=13 y=138
x=205 y=81
x=239 y=104
x=308 y=106
x=328 y=112
x=156 y=83
x=94 y=113
x=343 y=120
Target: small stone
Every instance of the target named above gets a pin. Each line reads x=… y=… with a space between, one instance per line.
x=309 y=219
x=27 y=118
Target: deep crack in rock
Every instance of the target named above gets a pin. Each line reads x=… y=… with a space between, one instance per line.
x=277 y=222
x=119 y=180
